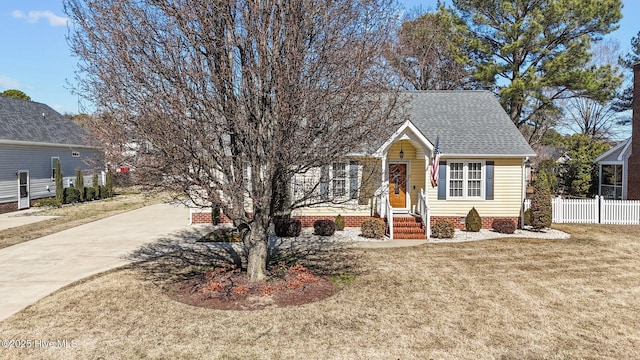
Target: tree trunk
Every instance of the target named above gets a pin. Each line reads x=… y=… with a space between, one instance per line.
x=257 y=259
x=257 y=246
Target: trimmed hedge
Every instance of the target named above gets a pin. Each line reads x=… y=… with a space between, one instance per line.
x=285 y=227
x=443 y=229
x=71 y=195
x=504 y=226
x=324 y=227
x=89 y=193
x=373 y=228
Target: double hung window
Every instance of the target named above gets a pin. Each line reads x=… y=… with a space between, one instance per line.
x=466 y=179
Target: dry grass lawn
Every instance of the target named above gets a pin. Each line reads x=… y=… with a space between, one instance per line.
x=74 y=215
x=494 y=299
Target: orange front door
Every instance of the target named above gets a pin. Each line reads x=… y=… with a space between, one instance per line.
x=398 y=185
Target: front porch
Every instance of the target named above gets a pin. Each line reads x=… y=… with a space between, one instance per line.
x=402 y=198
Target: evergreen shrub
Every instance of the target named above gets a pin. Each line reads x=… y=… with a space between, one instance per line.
x=79 y=184
x=109 y=185
x=541 y=211
x=48 y=202
x=89 y=194
x=286 y=227
x=504 y=226
x=96 y=186
x=340 y=223
x=527 y=217
x=102 y=192
x=215 y=215
x=71 y=195
x=473 y=222
x=59 y=182
x=324 y=227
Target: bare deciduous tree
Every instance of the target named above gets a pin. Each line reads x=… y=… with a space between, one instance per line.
x=222 y=89
x=428 y=53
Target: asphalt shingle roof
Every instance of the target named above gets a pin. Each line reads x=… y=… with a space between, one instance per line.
x=468 y=123
x=35 y=122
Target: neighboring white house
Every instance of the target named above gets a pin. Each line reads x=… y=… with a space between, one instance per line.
x=33 y=137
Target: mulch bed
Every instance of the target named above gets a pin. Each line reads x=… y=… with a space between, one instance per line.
x=230 y=289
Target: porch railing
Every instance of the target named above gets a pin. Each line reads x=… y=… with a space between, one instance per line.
x=389 y=216
x=424 y=211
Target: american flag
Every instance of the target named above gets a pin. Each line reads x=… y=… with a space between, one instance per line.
x=435 y=163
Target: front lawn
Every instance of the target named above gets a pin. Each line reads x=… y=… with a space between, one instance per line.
x=494 y=299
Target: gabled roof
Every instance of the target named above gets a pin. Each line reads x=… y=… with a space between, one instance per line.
x=616 y=154
x=469 y=123
x=31 y=122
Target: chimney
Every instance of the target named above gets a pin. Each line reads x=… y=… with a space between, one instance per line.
x=633 y=184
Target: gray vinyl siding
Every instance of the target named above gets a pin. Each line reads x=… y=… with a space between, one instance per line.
x=37 y=160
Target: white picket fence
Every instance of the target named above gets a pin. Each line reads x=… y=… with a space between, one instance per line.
x=594 y=211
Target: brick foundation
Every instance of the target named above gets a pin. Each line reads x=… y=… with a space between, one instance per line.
x=205 y=218
x=306 y=221
x=486 y=221
x=349 y=221
x=8 y=207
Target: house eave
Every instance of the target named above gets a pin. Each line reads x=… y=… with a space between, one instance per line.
x=483 y=156
x=34 y=143
x=401 y=132
x=623 y=147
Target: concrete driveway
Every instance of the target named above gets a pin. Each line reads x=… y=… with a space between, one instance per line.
x=22 y=217
x=34 y=269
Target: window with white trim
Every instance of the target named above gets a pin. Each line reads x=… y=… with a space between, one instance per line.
x=339 y=179
x=466 y=180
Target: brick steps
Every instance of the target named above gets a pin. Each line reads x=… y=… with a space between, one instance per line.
x=408 y=228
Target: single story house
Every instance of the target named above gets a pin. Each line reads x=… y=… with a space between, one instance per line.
x=620 y=166
x=482 y=164
x=33 y=137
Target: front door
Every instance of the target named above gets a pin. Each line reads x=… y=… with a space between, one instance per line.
x=23 y=190
x=398 y=185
